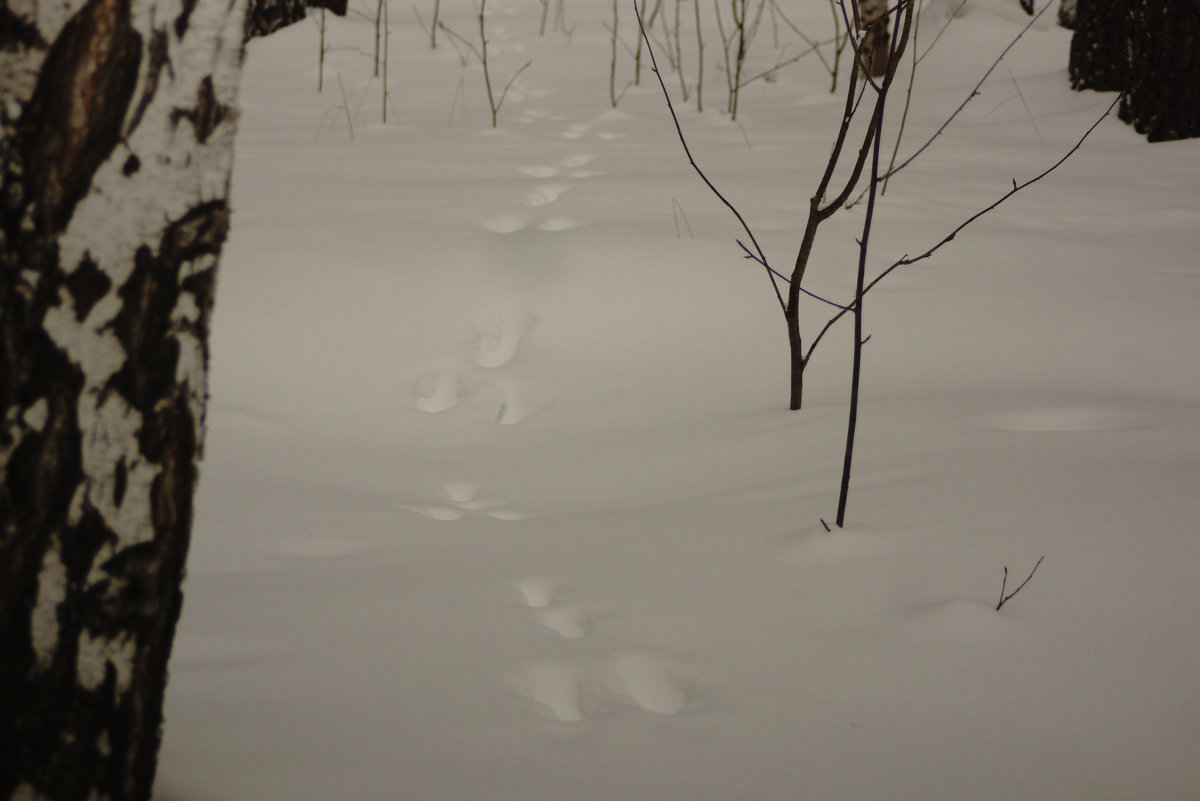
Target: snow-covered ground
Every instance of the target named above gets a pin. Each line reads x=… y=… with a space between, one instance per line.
x=502 y=501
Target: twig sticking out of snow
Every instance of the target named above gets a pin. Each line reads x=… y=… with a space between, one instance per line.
x=1004 y=585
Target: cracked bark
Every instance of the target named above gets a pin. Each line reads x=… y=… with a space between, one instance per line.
x=115 y=152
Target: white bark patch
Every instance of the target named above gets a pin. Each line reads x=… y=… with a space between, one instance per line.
x=52 y=15
x=97 y=353
x=36 y=415
x=112 y=438
x=52 y=591
x=97 y=653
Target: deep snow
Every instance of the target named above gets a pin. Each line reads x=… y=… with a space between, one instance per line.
x=501 y=499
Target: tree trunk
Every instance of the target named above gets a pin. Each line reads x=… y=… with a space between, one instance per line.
x=876 y=44
x=1099 y=55
x=796 y=353
x=1162 y=97
x=116 y=133
x=264 y=17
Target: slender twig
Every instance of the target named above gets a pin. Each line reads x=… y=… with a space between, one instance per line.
x=1028 y=113
x=775 y=9
x=457 y=36
x=765 y=73
x=504 y=92
x=860 y=275
x=912 y=77
x=699 y=61
x=676 y=212
x=907 y=260
x=953 y=15
x=761 y=256
x=973 y=94
x=1004 y=585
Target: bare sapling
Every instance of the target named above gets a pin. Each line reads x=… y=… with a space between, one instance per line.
x=820 y=210
x=737 y=46
x=321 y=51
x=699 y=59
x=378 y=32
x=823 y=204
x=856 y=308
x=637 y=57
x=387 y=33
x=612 y=68
x=678 y=39
x=481 y=53
x=431 y=29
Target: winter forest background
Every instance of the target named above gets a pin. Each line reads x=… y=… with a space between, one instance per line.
x=502 y=499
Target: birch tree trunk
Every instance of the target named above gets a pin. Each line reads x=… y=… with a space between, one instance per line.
x=116 y=133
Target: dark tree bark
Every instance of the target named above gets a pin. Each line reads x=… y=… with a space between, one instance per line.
x=264 y=17
x=1066 y=14
x=1099 y=52
x=116 y=136
x=1162 y=98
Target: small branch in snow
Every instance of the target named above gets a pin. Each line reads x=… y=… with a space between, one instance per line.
x=1004 y=585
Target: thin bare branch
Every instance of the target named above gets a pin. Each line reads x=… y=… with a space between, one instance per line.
x=761 y=256
x=516 y=75
x=907 y=260
x=1004 y=585
x=974 y=93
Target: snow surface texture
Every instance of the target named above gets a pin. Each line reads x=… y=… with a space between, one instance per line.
x=502 y=503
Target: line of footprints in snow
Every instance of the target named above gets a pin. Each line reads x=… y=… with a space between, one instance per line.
x=566 y=692
x=544 y=195
x=503 y=401
x=560 y=691
x=573 y=693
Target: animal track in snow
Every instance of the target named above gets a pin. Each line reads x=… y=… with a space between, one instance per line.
x=558 y=224
x=462 y=499
x=504 y=403
x=538 y=593
x=507 y=224
x=545 y=194
x=500 y=333
x=573 y=694
x=578 y=160
x=561 y=692
x=566 y=621
x=647 y=681
x=576 y=131
x=438 y=391
x=539 y=171
x=544 y=597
